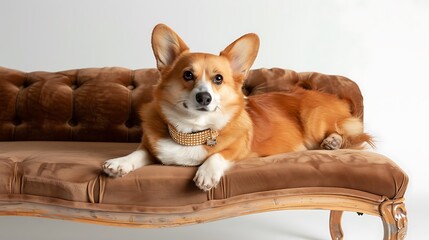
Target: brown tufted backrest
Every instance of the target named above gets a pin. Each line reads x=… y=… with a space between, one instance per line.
x=101 y=104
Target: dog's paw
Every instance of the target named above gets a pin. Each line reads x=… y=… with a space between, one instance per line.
x=117 y=167
x=207 y=178
x=209 y=174
x=332 y=142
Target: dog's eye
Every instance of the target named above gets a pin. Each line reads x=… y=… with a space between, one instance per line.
x=218 y=79
x=188 y=76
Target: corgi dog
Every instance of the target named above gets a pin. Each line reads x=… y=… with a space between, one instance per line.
x=200 y=117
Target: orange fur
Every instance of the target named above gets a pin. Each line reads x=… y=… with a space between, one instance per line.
x=260 y=125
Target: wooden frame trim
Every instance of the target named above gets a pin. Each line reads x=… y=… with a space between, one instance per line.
x=392 y=212
x=152 y=220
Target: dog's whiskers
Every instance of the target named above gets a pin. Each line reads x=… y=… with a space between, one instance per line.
x=219 y=108
x=180 y=102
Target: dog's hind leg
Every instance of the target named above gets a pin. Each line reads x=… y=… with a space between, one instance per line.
x=349 y=134
x=333 y=142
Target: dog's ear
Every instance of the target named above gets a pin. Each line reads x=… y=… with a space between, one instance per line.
x=242 y=53
x=166 y=45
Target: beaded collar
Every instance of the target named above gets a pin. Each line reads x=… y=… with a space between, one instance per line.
x=207 y=137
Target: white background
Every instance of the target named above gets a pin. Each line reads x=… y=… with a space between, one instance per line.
x=382 y=45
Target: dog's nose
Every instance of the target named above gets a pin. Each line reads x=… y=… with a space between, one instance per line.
x=203 y=98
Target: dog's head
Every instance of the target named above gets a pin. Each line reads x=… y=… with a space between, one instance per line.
x=198 y=84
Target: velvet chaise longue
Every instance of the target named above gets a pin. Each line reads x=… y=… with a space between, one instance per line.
x=57 y=129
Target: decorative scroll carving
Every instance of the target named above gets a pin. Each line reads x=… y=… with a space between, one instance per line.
x=335 y=225
x=395 y=221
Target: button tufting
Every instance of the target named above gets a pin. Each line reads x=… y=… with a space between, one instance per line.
x=129 y=123
x=73 y=86
x=306 y=86
x=16 y=121
x=72 y=122
x=25 y=84
x=246 y=90
x=131 y=87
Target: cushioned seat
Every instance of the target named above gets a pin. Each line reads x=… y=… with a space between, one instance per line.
x=71 y=171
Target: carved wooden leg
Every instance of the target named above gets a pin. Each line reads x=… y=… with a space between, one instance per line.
x=335 y=225
x=395 y=222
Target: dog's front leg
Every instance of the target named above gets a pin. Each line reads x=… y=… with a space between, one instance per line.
x=118 y=167
x=211 y=171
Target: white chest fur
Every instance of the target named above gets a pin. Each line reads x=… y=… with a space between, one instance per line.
x=171 y=153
